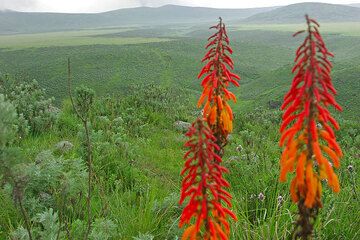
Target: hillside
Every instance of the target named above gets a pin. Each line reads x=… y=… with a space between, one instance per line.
x=103 y=63
x=295 y=13
x=20 y=22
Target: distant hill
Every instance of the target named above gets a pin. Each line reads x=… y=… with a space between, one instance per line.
x=18 y=22
x=295 y=13
x=355 y=5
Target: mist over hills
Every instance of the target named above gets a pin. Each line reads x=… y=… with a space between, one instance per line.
x=355 y=5
x=27 y=22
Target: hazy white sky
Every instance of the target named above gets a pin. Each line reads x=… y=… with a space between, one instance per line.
x=105 y=5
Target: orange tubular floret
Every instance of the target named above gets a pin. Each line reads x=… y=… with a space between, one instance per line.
x=300 y=169
x=212 y=115
x=310 y=184
x=189 y=233
x=334 y=157
x=201 y=100
x=220 y=103
x=306 y=133
x=287 y=167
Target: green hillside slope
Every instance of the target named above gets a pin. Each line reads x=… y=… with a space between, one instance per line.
x=263 y=59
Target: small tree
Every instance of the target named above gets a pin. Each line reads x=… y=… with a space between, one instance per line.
x=306 y=134
x=82 y=105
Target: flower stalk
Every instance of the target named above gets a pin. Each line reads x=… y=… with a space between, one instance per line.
x=307 y=135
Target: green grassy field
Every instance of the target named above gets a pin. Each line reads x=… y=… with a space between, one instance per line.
x=70 y=38
x=137 y=165
x=346 y=28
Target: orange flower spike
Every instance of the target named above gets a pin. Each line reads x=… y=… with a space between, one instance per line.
x=217 y=77
x=203 y=184
x=307 y=130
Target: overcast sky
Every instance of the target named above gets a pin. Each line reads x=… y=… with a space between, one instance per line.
x=105 y=5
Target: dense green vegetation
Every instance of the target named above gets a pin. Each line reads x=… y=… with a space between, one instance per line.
x=141 y=91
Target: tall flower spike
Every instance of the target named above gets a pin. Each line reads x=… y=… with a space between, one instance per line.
x=307 y=136
x=205 y=214
x=217 y=78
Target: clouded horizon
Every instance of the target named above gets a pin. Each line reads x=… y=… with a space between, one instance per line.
x=82 y=6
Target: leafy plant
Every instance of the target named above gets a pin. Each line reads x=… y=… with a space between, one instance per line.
x=8 y=118
x=49 y=225
x=145 y=236
x=103 y=229
x=35 y=111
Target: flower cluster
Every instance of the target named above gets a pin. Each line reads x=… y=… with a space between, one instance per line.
x=203 y=184
x=217 y=79
x=307 y=135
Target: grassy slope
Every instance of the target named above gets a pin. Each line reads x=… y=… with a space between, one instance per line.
x=111 y=68
x=63 y=39
x=150 y=206
x=344 y=28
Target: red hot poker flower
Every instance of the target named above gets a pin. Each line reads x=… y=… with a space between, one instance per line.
x=215 y=83
x=203 y=184
x=310 y=147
